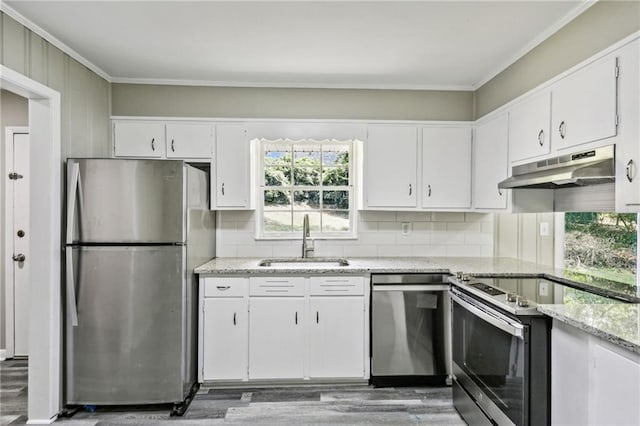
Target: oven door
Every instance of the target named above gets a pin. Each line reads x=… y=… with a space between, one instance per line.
x=489 y=359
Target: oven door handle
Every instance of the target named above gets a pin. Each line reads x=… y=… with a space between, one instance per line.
x=493 y=318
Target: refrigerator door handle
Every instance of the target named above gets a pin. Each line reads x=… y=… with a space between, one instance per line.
x=72 y=192
x=71 y=289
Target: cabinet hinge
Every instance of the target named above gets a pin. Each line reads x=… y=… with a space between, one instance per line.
x=617 y=120
x=617 y=69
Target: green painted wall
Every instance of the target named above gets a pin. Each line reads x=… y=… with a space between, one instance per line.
x=598 y=27
x=189 y=101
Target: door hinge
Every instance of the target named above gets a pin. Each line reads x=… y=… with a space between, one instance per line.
x=15 y=176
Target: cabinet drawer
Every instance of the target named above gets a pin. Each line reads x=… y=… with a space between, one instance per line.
x=225 y=287
x=277 y=286
x=339 y=286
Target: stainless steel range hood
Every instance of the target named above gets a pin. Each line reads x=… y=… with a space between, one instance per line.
x=590 y=167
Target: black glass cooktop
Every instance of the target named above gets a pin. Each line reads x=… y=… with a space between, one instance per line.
x=487 y=289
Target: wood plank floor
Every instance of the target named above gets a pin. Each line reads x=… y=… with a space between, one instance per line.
x=308 y=405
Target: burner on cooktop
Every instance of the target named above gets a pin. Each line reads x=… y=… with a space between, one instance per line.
x=487 y=289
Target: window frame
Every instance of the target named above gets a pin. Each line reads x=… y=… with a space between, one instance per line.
x=351 y=187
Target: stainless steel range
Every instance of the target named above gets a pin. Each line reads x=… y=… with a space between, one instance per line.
x=501 y=348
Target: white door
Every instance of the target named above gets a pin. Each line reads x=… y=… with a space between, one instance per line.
x=276 y=338
x=225 y=338
x=336 y=336
x=231 y=159
x=391 y=166
x=491 y=156
x=18 y=251
x=446 y=167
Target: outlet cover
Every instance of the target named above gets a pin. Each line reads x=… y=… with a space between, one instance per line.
x=544 y=229
x=406 y=228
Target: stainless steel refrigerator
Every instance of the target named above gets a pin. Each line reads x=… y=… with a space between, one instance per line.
x=135 y=229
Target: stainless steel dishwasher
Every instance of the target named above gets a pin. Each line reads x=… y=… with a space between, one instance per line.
x=410 y=329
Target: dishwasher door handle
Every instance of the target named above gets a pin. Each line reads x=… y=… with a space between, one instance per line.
x=401 y=287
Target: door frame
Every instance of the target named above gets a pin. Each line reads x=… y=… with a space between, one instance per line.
x=45 y=199
x=10 y=132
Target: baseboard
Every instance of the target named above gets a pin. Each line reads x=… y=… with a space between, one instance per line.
x=3 y=354
x=42 y=421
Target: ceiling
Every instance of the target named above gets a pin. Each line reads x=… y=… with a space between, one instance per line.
x=452 y=45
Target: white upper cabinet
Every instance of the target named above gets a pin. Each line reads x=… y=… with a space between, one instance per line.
x=583 y=104
x=139 y=139
x=491 y=156
x=160 y=139
x=391 y=166
x=189 y=140
x=446 y=167
x=530 y=127
x=231 y=174
x=628 y=140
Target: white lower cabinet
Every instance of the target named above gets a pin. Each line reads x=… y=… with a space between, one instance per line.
x=224 y=328
x=276 y=338
x=284 y=328
x=336 y=336
x=226 y=339
x=593 y=382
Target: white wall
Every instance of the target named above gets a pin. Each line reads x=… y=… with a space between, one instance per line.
x=432 y=234
x=518 y=235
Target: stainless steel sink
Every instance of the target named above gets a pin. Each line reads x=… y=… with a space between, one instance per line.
x=309 y=262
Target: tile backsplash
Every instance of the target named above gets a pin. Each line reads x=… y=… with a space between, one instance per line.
x=379 y=234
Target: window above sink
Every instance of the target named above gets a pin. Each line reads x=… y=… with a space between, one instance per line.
x=306 y=177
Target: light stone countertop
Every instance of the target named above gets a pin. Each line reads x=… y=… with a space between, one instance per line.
x=618 y=323
x=364 y=265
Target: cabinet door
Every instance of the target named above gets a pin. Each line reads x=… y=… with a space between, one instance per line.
x=529 y=127
x=391 y=166
x=336 y=336
x=446 y=167
x=491 y=156
x=231 y=188
x=225 y=339
x=192 y=140
x=138 y=139
x=276 y=337
x=615 y=388
x=584 y=105
x=627 y=142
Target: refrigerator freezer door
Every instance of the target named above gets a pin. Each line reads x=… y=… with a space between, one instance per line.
x=127 y=347
x=125 y=201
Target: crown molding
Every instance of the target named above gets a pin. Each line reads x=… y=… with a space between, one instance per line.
x=30 y=25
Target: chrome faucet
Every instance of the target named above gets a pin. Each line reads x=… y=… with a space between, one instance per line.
x=307 y=244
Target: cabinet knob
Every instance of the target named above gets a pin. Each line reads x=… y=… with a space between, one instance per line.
x=541 y=137
x=19 y=257
x=296 y=318
x=499 y=192
x=222 y=188
x=234 y=318
x=428 y=190
x=562 y=129
x=153 y=144
x=172 y=147
x=410 y=189
x=630 y=171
